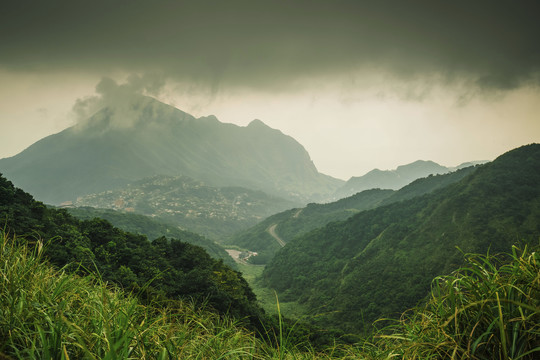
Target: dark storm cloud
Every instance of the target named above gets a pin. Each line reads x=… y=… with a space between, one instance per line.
x=266 y=43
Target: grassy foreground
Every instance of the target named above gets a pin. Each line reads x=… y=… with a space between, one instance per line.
x=486 y=310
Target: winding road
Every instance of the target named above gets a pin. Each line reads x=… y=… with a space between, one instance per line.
x=272 y=231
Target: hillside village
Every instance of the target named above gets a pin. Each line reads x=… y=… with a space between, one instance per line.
x=178 y=199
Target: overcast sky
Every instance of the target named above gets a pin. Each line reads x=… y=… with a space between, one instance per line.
x=361 y=84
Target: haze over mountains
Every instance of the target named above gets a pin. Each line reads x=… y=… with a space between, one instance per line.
x=397 y=178
x=118 y=145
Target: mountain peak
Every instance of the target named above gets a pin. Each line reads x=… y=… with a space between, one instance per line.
x=127 y=141
x=210 y=119
x=131 y=113
x=390 y=179
x=257 y=123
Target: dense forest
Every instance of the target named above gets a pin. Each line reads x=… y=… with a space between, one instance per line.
x=152 y=229
x=382 y=261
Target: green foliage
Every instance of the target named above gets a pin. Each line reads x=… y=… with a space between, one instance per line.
x=488 y=309
x=296 y=222
x=428 y=184
x=163 y=268
x=380 y=262
x=152 y=229
x=47 y=314
x=51 y=314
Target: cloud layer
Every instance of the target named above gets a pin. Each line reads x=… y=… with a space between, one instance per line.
x=273 y=44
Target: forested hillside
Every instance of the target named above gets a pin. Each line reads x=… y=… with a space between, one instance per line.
x=292 y=223
x=60 y=316
x=157 y=269
x=152 y=229
x=380 y=262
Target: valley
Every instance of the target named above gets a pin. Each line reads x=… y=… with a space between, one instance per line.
x=270 y=180
x=282 y=245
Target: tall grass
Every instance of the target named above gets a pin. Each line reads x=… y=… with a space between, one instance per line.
x=489 y=309
x=48 y=314
x=486 y=310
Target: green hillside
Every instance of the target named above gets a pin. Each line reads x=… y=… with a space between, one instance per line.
x=158 y=269
x=152 y=229
x=390 y=179
x=292 y=223
x=380 y=262
x=487 y=310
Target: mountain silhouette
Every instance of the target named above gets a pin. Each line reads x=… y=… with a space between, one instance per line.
x=117 y=145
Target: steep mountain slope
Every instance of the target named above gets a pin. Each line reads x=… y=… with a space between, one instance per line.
x=292 y=223
x=390 y=179
x=381 y=261
x=113 y=148
x=215 y=212
x=261 y=238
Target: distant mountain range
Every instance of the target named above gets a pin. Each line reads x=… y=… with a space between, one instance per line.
x=381 y=262
x=395 y=179
x=98 y=155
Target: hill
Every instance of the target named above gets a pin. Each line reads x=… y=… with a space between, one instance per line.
x=381 y=261
x=114 y=147
x=156 y=270
x=292 y=223
x=284 y=226
x=391 y=179
x=215 y=212
x=152 y=229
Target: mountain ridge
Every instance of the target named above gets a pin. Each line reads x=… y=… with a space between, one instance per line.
x=292 y=223
x=114 y=147
x=396 y=178
x=380 y=262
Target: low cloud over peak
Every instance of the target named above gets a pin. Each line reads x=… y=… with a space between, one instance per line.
x=122 y=101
